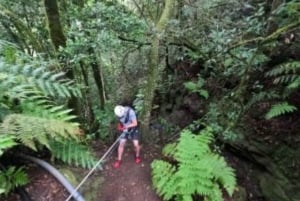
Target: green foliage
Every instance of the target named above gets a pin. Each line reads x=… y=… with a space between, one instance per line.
x=6 y=141
x=38 y=106
x=262 y=96
x=105 y=117
x=34 y=131
x=287 y=12
x=195 y=170
x=23 y=80
x=288 y=75
x=31 y=117
x=138 y=102
x=197 y=87
x=11 y=178
x=280 y=109
x=73 y=153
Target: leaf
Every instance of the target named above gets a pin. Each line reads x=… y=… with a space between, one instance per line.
x=191 y=86
x=204 y=93
x=280 y=109
x=228 y=62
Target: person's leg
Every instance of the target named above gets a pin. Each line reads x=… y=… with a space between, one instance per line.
x=137 y=148
x=121 y=148
x=120 y=153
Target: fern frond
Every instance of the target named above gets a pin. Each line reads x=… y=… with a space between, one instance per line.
x=223 y=174
x=295 y=84
x=73 y=153
x=280 y=109
x=161 y=176
x=45 y=109
x=32 y=130
x=37 y=79
x=261 y=96
x=11 y=178
x=169 y=150
x=198 y=171
x=284 y=79
x=6 y=141
x=285 y=68
x=285 y=73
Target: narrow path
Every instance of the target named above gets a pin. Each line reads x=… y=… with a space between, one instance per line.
x=130 y=182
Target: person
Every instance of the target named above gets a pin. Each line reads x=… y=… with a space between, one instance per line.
x=128 y=126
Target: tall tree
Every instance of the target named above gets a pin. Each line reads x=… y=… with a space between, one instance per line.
x=153 y=73
x=59 y=40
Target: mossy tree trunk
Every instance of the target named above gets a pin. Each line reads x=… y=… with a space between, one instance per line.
x=98 y=77
x=153 y=74
x=59 y=40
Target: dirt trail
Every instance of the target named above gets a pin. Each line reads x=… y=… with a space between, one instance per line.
x=130 y=182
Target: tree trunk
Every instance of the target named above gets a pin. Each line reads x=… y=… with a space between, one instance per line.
x=153 y=74
x=58 y=39
x=97 y=73
x=56 y=32
x=89 y=116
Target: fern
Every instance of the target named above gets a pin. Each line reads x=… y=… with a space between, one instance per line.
x=6 y=141
x=21 y=79
x=198 y=171
x=73 y=153
x=42 y=121
x=11 y=178
x=280 y=109
x=285 y=73
x=295 y=84
x=41 y=107
x=288 y=74
x=31 y=131
x=261 y=96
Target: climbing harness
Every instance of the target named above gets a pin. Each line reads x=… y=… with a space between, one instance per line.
x=95 y=166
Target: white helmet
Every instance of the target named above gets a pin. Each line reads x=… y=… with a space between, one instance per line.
x=119 y=111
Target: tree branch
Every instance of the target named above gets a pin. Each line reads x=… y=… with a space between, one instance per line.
x=271 y=37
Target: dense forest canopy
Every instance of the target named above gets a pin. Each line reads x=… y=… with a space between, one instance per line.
x=220 y=76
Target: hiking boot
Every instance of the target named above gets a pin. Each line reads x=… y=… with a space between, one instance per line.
x=117 y=164
x=138 y=160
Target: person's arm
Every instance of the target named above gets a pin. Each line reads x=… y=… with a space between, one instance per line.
x=132 y=124
x=132 y=120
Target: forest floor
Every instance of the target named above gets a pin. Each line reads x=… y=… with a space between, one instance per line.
x=130 y=182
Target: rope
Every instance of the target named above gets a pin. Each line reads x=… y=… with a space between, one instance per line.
x=94 y=168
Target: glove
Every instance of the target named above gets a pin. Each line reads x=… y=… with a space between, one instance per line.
x=120 y=127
